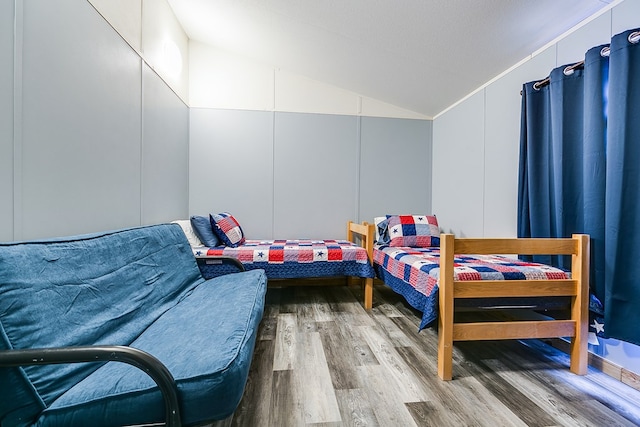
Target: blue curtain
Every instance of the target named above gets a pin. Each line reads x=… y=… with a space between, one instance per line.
x=622 y=198
x=580 y=171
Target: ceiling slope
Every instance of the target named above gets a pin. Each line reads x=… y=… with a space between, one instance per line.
x=420 y=55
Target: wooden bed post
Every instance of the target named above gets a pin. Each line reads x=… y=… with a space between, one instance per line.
x=366 y=232
x=445 y=318
x=368 y=282
x=580 y=304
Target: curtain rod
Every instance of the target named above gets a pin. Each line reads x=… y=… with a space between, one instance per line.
x=568 y=70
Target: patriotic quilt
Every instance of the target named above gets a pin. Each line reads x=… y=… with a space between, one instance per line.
x=414 y=273
x=289 y=259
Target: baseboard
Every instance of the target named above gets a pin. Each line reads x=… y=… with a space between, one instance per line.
x=625 y=376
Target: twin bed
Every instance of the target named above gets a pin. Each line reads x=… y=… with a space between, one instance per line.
x=291 y=259
x=218 y=239
x=450 y=271
x=436 y=274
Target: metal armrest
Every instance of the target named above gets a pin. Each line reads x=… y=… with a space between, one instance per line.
x=138 y=358
x=221 y=259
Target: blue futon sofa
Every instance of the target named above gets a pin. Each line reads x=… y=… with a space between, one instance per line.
x=165 y=344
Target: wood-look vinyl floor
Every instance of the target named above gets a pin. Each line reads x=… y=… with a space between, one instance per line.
x=322 y=360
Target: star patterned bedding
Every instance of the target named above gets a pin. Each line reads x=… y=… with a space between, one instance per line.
x=289 y=259
x=414 y=273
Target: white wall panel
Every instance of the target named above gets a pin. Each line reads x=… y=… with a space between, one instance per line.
x=395 y=167
x=458 y=168
x=573 y=47
x=374 y=108
x=300 y=94
x=315 y=173
x=165 y=45
x=6 y=119
x=125 y=16
x=625 y=16
x=165 y=152
x=224 y=80
x=231 y=167
x=81 y=123
x=218 y=79
x=502 y=140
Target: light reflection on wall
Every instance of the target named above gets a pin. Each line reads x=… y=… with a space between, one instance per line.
x=170 y=59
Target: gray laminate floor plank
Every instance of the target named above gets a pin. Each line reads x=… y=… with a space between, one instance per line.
x=312 y=374
x=355 y=408
x=286 y=408
x=337 y=351
x=350 y=328
x=285 y=342
x=384 y=397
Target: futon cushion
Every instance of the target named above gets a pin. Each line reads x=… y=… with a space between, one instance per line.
x=420 y=231
x=202 y=227
x=105 y=288
x=210 y=363
x=227 y=229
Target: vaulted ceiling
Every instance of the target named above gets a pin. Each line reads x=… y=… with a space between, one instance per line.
x=420 y=55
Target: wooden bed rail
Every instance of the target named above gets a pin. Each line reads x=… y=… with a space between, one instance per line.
x=366 y=235
x=577 y=288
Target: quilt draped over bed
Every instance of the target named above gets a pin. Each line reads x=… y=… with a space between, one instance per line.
x=414 y=273
x=288 y=259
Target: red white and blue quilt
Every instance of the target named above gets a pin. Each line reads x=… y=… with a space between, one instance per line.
x=288 y=259
x=414 y=273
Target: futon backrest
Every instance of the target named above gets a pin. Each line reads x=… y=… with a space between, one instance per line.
x=104 y=288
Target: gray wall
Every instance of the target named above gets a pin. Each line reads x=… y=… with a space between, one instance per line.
x=395 y=167
x=100 y=141
x=231 y=167
x=165 y=152
x=298 y=175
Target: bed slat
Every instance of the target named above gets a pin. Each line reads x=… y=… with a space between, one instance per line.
x=516 y=246
x=513 y=330
x=514 y=288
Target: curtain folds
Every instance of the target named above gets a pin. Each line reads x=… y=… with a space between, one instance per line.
x=580 y=172
x=622 y=199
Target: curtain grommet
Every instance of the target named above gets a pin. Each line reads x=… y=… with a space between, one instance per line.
x=536 y=86
x=605 y=51
x=568 y=70
x=634 y=37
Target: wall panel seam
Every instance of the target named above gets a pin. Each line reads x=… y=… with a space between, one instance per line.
x=18 y=41
x=141 y=143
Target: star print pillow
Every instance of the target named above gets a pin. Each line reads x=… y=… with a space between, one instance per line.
x=417 y=231
x=227 y=228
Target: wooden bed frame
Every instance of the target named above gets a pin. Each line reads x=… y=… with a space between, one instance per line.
x=365 y=233
x=576 y=327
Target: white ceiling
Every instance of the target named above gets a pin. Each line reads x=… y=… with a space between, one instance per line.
x=420 y=55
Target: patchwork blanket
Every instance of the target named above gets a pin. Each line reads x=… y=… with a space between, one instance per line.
x=285 y=259
x=414 y=273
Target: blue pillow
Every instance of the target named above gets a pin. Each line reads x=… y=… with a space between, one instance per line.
x=202 y=227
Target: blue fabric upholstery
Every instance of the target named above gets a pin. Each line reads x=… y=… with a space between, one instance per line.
x=139 y=287
x=202 y=227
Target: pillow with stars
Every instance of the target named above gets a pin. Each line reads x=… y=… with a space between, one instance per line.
x=417 y=231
